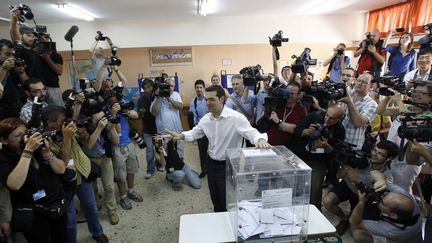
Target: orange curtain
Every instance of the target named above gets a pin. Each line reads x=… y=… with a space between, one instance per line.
x=389 y=18
x=412 y=15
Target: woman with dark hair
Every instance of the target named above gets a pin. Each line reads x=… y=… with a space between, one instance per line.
x=30 y=171
x=402 y=57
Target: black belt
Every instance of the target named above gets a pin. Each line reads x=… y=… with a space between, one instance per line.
x=219 y=162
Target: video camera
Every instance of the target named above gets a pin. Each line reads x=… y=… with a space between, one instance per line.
x=303 y=61
x=324 y=92
x=162 y=85
x=426 y=41
x=391 y=82
x=43 y=42
x=25 y=12
x=347 y=154
x=277 y=39
x=251 y=75
x=421 y=132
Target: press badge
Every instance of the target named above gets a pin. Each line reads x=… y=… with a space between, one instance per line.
x=39 y=194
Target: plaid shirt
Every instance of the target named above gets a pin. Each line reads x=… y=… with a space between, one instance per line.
x=367 y=108
x=26 y=111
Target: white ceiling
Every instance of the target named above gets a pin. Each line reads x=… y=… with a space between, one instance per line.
x=114 y=10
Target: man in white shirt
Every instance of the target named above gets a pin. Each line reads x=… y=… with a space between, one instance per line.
x=424 y=61
x=224 y=128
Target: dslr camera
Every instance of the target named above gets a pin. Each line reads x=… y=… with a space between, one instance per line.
x=303 y=61
x=251 y=75
x=137 y=138
x=368 y=41
x=25 y=12
x=18 y=55
x=347 y=154
x=277 y=39
x=373 y=196
x=426 y=41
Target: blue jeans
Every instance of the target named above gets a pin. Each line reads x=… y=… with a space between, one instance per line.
x=191 y=176
x=151 y=164
x=87 y=198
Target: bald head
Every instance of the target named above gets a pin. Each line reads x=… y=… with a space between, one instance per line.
x=397 y=206
x=333 y=115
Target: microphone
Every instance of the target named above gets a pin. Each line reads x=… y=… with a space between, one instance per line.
x=71 y=33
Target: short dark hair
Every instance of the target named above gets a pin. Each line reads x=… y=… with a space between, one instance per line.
x=6 y=42
x=422 y=83
x=294 y=83
x=198 y=82
x=423 y=51
x=391 y=148
x=26 y=84
x=353 y=70
x=51 y=113
x=220 y=92
x=147 y=81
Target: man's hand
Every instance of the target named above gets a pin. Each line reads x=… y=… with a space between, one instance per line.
x=262 y=144
x=9 y=63
x=361 y=196
x=102 y=123
x=33 y=142
x=345 y=99
x=115 y=109
x=5 y=228
x=380 y=183
x=372 y=49
x=351 y=174
x=69 y=130
x=14 y=14
x=79 y=98
x=175 y=136
x=321 y=143
x=417 y=148
x=274 y=117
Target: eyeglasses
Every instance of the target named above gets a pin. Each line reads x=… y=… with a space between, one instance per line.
x=420 y=92
x=347 y=75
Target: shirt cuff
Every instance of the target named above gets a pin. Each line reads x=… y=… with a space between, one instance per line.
x=188 y=136
x=262 y=135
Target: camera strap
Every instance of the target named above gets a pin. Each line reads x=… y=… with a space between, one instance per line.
x=242 y=109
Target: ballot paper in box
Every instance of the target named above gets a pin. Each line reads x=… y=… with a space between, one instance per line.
x=267 y=194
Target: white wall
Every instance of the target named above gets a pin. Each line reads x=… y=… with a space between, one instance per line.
x=213 y=31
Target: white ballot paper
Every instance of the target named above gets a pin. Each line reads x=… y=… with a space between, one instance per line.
x=253 y=219
x=277 y=198
x=259 y=153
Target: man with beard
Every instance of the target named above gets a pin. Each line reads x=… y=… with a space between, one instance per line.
x=33 y=88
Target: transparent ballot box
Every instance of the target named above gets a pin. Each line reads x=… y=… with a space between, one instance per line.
x=267 y=194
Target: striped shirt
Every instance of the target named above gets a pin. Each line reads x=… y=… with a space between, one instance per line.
x=367 y=108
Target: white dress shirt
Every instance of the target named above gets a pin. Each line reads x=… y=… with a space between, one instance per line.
x=414 y=74
x=226 y=131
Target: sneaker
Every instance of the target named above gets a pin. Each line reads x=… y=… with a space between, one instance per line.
x=135 y=196
x=125 y=203
x=147 y=176
x=101 y=238
x=160 y=169
x=113 y=217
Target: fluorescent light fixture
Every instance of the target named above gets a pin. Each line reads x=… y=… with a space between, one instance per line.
x=76 y=12
x=202 y=7
x=4 y=19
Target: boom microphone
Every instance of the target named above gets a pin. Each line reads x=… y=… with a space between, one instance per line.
x=71 y=33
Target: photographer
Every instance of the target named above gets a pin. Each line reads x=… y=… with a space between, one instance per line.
x=125 y=159
x=402 y=57
x=30 y=171
x=407 y=168
x=66 y=146
x=397 y=218
x=372 y=55
x=148 y=125
x=26 y=35
x=98 y=148
x=361 y=110
x=33 y=88
x=11 y=77
x=423 y=72
x=285 y=118
x=318 y=133
x=52 y=68
x=381 y=156
x=175 y=168
x=242 y=99
x=101 y=85
x=167 y=113
x=337 y=63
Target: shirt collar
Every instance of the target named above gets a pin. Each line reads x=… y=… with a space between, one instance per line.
x=224 y=114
